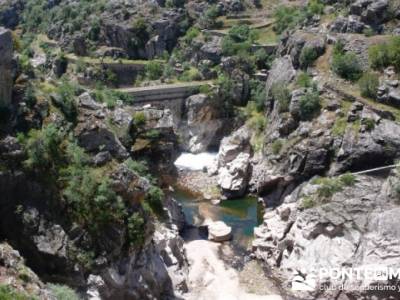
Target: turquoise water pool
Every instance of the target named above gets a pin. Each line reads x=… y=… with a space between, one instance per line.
x=241 y=214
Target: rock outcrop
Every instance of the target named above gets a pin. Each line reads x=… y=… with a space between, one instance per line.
x=234 y=163
x=16 y=274
x=201 y=124
x=353 y=229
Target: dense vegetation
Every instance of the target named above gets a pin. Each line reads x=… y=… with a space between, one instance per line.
x=288 y=17
x=346 y=64
x=385 y=54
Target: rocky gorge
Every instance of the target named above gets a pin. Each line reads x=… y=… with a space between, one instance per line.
x=278 y=160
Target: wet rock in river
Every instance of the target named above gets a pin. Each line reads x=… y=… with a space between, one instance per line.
x=219 y=232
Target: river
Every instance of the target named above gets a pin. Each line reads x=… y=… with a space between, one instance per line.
x=222 y=271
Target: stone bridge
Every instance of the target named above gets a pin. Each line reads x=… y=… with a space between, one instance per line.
x=169 y=96
x=166 y=92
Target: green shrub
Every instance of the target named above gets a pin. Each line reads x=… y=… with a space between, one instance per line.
x=42 y=147
x=304 y=80
x=315 y=7
x=258 y=123
x=238 y=40
x=139 y=119
x=307 y=57
x=347 y=66
x=30 y=96
x=242 y=33
x=26 y=66
x=191 y=34
x=282 y=95
x=110 y=97
x=153 y=134
x=276 y=147
x=369 y=84
x=379 y=56
x=309 y=105
x=63 y=292
x=154 y=198
x=168 y=71
x=205 y=89
x=65 y=99
x=191 y=74
x=92 y=202
x=258 y=95
x=287 y=17
x=308 y=202
x=139 y=167
x=9 y=293
x=209 y=18
x=339 y=128
x=136 y=230
x=384 y=55
x=348 y=179
x=368 y=32
x=369 y=124
x=262 y=59
x=154 y=70
x=328 y=187
x=225 y=87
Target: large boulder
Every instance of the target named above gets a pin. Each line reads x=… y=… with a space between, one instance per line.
x=6 y=67
x=296 y=42
x=371 y=12
x=350 y=24
x=212 y=50
x=219 y=232
x=234 y=163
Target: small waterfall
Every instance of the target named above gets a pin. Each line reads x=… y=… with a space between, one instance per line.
x=196 y=162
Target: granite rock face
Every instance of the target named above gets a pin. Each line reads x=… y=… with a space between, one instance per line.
x=353 y=229
x=201 y=123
